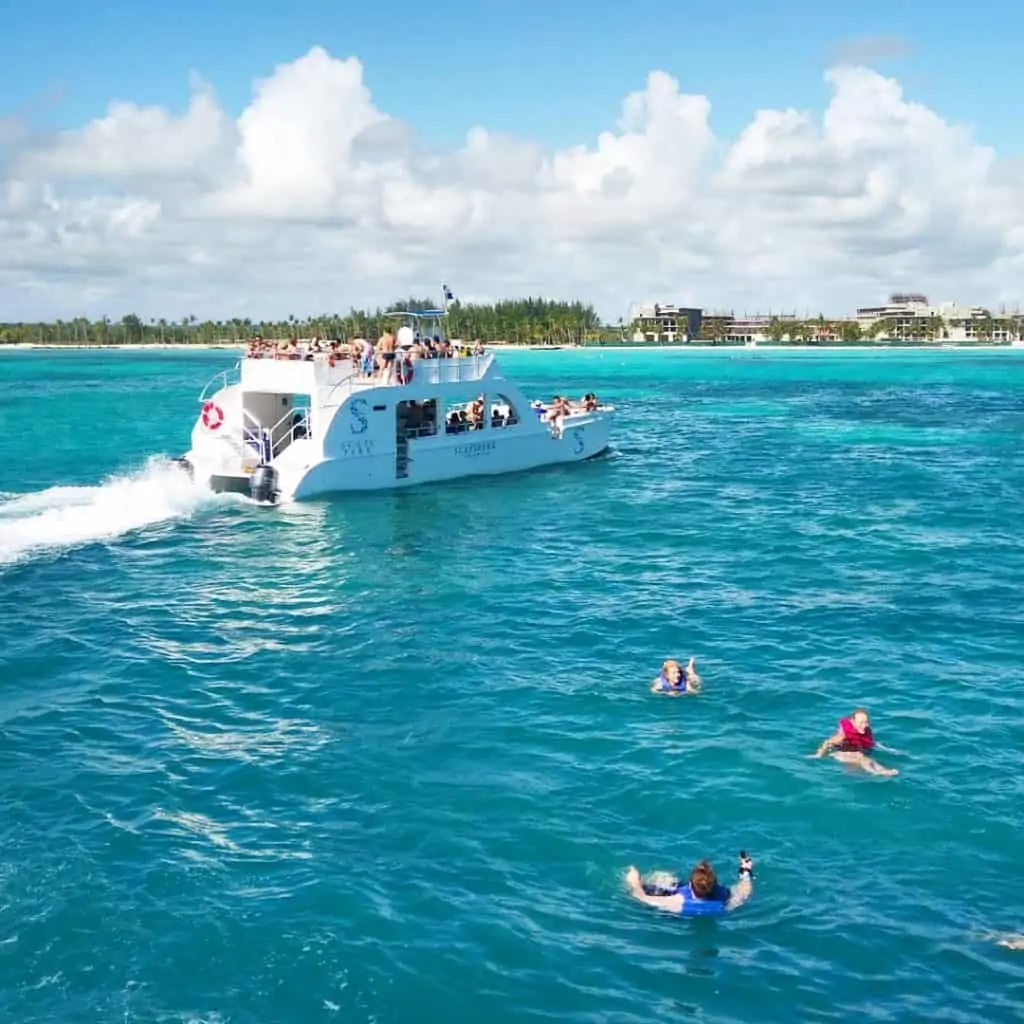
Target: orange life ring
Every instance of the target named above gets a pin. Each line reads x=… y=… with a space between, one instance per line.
x=404 y=371
x=213 y=416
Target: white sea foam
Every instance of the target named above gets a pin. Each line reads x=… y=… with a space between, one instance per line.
x=59 y=518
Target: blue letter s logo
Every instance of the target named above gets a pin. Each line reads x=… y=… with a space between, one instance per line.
x=577 y=442
x=359 y=422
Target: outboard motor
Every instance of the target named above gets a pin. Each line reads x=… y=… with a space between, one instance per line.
x=263 y=484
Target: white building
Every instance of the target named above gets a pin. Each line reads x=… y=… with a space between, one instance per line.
x=664 y=322
x=911 y=316
x=758 y=327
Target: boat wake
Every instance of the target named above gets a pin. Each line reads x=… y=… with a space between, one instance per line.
x=60 y=518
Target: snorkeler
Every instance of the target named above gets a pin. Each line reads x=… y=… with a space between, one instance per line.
x=700 y=896
x=677 y=681
x=1007 y=941
x=852 y=743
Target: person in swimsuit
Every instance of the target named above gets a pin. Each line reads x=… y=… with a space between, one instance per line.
x=852 y=743
x=386 y=355
x=677 y=681
x=702 y=895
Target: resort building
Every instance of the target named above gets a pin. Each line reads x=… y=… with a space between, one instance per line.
x=907 y=316
x=716 y=326
x=761 y=327
x=748 y=328
x=665 y=323
x=758 y=327
x=911 y=317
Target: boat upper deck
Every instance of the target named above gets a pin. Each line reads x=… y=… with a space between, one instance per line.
x=308 y=373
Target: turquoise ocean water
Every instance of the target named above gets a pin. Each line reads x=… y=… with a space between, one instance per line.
x=385 y=758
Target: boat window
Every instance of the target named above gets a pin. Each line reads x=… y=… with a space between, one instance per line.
x=503 y=412
x=416 y=419
x=463 y=416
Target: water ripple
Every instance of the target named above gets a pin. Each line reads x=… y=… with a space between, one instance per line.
x=387 y=758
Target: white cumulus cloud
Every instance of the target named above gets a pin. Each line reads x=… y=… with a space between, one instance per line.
x=313 y=200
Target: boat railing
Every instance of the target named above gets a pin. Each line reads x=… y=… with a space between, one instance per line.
x=422 y=430
x=254 y=437
x=223 y=379
x=269 y=442
x=450 y=370
x=456 y=370
x=298 y=427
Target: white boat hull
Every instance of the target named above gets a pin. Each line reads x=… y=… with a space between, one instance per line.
x=355 y=430
x=447 y=457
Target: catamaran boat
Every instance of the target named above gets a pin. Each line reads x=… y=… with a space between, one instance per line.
x=310 y=424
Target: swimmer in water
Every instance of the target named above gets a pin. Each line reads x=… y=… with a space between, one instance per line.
x=1007 y=941
x=851 y=744
x=700 y=896
x=677 y=681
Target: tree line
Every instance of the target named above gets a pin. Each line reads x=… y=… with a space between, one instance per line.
x=521 y=321
x=530 y=320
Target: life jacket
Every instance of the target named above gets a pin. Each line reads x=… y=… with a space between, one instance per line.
x=693 y=906
x=666 y=684
x=854 y=740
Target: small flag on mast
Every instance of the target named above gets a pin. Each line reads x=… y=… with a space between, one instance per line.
x=448 y=297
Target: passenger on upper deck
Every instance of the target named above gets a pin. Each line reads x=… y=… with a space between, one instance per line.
x=367 y=362
x=386 y=357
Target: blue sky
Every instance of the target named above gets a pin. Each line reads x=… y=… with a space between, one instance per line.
x=553 y=71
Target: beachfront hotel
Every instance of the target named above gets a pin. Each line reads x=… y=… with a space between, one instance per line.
x=905 y=317
x=911 y=316
x=664 y=323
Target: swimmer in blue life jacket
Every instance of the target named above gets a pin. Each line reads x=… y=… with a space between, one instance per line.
x=699 y=897
x=675 y=681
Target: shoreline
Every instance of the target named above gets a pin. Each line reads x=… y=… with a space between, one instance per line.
x=213 y=346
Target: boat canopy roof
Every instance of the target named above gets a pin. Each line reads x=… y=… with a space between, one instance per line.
x=419 y=322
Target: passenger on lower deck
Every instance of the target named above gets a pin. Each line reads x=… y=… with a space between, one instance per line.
x=702 y=895
x=555 y=413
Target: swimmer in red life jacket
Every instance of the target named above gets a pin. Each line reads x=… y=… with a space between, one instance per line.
x=701 y=896
x=677 y=681
x=852 y=743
